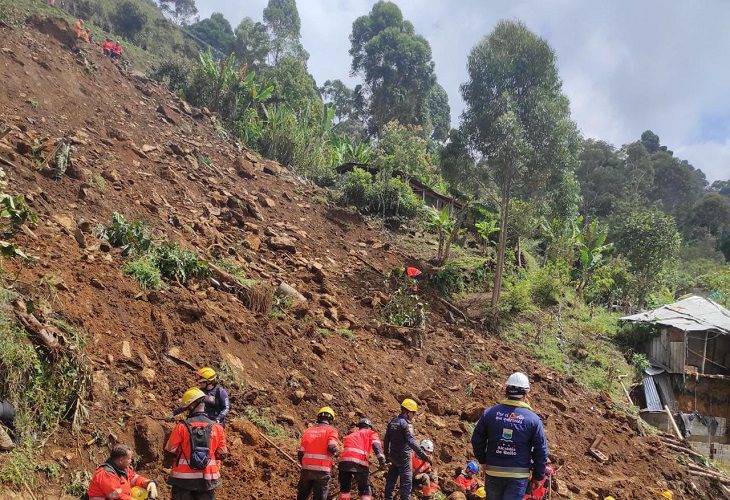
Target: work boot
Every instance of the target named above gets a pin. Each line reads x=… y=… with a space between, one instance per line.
x=6 y=443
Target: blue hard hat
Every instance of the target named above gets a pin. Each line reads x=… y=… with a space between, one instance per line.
x=472 y=467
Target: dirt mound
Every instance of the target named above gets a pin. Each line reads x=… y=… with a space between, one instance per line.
x=142 y=152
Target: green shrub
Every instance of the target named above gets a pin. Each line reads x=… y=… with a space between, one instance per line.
x=402 y=310
x=261 y=419
x=548 y=284
x=133 y=237
x=145 y=271
x=177 y=263
x=516 y=298
x=386 y=197
x=469 y=274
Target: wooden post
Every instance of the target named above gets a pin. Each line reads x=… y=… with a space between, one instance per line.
x=674 y=424
x=704 y=353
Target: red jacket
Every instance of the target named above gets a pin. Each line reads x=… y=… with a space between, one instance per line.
x=357 y=445
x=419 y=466
x=315 y=450
x=468 y=483
x=184 y=476
x=108 y=484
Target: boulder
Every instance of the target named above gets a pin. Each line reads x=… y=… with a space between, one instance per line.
x=284 y=243
x=472 y=412
x=243 y=168
x=149 y=437
x=286 y=290
x=248 y=431
x=319 y=349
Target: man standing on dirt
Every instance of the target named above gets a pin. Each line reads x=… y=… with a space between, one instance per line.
x=217 y=403
x=316 y=451
x=509 y=441
x=199 y=445
x=399 y=444
x=355 y=460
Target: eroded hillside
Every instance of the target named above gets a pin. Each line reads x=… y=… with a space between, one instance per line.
x=142 y=152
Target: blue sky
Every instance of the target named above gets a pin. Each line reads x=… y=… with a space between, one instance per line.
x=627 y=66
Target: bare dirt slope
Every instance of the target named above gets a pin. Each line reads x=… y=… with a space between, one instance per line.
x=142 y=152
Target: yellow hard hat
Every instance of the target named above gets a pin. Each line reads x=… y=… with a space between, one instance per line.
x=409 y=405
x=326 y=411
x=609 y=498
x=138 y=493
x=667 y=494
x=191 y=396
x=207 y=373
x=480 y=492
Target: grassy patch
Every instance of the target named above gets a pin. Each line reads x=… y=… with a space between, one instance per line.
x=485 y=368
x=261 y=419
x=44 y=391
x=145 y=272
x=237 y=271
x=466 y=274
x=347 y=334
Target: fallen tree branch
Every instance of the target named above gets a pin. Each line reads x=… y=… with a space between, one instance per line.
x=40 y=334
x=455 y=309
x=682 y=449
x=722 y=480
x=291 y=459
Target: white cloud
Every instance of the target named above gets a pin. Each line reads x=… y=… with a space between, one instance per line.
x=713 y=157
x=627 y=66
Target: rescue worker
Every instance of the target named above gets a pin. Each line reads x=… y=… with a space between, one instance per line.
x=199 y=446
x=217 y=403
x=468 y=481
x=316 y=451
x=114 y=479
x=419 y=332
x=355 y=460
x=7 y=423
x=106 y=47
x=79 y=27
x=399 y=444
x=423 y=474
x=509 y=442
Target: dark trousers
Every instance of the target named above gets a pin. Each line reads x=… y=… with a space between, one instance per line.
x=315 y=483
x=404 y=472
x=358 y=472
x=506 y=488
x=181 y=494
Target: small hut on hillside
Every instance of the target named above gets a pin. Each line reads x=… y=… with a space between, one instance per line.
x=690 y=371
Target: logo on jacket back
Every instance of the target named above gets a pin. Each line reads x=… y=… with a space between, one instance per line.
x=507 y=433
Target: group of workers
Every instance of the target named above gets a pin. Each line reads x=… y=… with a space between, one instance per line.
x=508 y=443
x=197 y=443
x=110 y=48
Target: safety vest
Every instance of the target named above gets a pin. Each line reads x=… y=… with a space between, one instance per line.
x=419 y=466
x=182 y=474
x=357 y=446
x=466 y=482
x=315 y=442
x=107 y=483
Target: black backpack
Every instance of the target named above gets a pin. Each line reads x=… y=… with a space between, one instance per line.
x=199 y=443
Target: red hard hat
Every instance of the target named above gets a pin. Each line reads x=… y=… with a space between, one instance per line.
x=413 y=272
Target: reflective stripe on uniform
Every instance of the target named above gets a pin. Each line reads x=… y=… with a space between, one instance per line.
x=366 y=497
x=320 y=468
x=511 y=472
x=344 y=496
x=317 y=456
x=355 y=460
x=357 y=450
x=195 y=475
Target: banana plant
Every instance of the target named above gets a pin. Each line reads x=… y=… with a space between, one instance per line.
x=592 y=248
x=485 y=229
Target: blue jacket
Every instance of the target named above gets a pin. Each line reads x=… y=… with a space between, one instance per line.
x=399 y=442
x=217 y=404
x=510 y=440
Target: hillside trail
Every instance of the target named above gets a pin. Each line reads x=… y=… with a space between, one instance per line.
x=141 y=151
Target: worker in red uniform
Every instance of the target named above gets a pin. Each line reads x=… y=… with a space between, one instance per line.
x=467 y=480
x=117 y=51
x=423 y=473
x=114 y=479
x=316 y=451
x=355 y=460
x=199 y=445
x=106 y=47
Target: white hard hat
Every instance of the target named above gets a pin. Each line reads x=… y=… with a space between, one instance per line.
x=518 y=379
x=427 y=445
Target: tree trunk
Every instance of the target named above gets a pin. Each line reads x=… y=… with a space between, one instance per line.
x=454 y=231
x=502 y=244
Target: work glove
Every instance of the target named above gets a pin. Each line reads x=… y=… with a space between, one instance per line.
x=152 y=490
x=535 y=485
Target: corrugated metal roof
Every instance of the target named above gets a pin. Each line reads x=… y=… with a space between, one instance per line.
x=690 y=315
x=653 y=403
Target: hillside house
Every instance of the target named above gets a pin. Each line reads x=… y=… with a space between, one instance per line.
x=690 y=373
